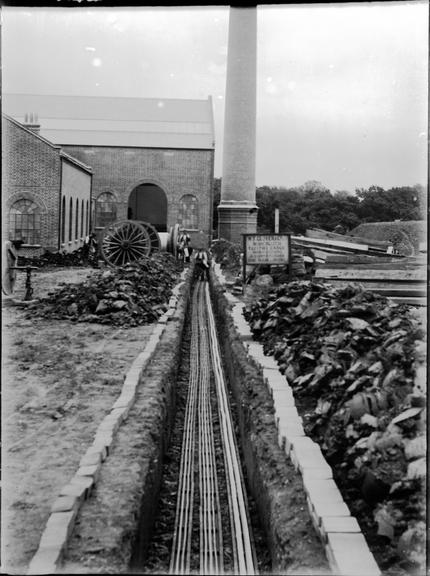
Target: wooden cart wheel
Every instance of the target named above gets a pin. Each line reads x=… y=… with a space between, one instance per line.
x=124 y=242
x=153 y=235
x=174 y=233
x=9 y=260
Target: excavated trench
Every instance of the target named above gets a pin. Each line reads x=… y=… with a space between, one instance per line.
x=155 y=558
x=127 y=525
x=281 y=531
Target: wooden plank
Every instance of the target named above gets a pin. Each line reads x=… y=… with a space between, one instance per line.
x=369 y=259
x=319 y=233
x=401 y=290
x=337 y=247
x=380 y=275
x=323 y=243
x=395 y=265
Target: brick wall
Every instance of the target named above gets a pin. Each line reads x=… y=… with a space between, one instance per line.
x=75 y=185
x=177 y=172
x=31 y=170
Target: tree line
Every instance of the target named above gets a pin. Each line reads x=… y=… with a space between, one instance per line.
x=312 y=205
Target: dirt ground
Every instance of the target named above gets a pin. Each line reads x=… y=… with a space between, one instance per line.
x=59 y=380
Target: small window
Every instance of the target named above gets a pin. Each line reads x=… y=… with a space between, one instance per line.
x=82 y=218
x=70 y=219
x=24 y=222
x=77 y=220
x=106 y=209
x=188 y=212
x=63 y=220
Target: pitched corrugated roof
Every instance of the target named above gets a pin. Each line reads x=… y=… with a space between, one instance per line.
x=110 y=121
x=57 y=147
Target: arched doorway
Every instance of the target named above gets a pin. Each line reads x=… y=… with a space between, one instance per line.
x=148 y=202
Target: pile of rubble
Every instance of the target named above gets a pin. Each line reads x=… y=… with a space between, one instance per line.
x=59 y=259
x=227 y=254
x=131 y=295
x=357 y=364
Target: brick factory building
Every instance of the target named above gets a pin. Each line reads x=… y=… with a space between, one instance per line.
x=152 y=159
x=46 y=192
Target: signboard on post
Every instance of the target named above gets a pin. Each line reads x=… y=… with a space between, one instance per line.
x=266 y=249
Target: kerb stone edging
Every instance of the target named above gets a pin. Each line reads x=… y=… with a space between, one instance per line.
x=346 y=548
x=59 y=527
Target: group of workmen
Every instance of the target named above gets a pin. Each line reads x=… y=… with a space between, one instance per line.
x=201 y=256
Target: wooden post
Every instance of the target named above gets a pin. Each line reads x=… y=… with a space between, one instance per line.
x=290 y=263
x=276 y=220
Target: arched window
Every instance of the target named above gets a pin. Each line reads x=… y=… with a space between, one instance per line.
x=87 y=215
x=77 y=220
x=82 y=218
x=70 y=219
x=63 y=220
x=24 y=222
x=106 y=208
x=188 y=217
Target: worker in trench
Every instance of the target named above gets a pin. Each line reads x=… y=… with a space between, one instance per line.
x=203 y=264
x=184 y=248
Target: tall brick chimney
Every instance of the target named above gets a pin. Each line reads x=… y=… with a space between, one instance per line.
x=237 y=211
x=31 y=122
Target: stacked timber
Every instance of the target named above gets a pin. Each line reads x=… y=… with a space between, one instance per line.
x=402 y=279
x=323 y=243
x=373 y=245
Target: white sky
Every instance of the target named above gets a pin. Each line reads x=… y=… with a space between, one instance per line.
x=342 y=89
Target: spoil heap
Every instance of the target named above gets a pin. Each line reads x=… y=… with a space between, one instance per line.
x=356 y=362
x=131 y=295
x=57 y=259
x=227 y=254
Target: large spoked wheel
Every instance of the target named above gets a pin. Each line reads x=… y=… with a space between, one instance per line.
x=125 y=242
x=172 y=244
x=153 y=235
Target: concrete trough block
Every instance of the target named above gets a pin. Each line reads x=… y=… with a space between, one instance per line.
x=283 y=398
x=321 y=491
x=314 y=517
x=103 y=442
x=268 y=362
x=131 y=380
x=288 y=415
x=330 y=507
x=157 y=331
x=120 y=413
x=290 y=438
x=65 y=504
x=91 y=457
x=172 y=302
x=79 y=492
x=124 y=401
x=339 y=524
x=141 y=361
x=323 y=472
x=245 y=337
x=351 y=554
x=58 y=530
x=128 y=392
x=255 y=350
x=91 y=471
x=85 y=482
x=45 y=561
x=109 y=424
x=305 y=453
x=276 y=380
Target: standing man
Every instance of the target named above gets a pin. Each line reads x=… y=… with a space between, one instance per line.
x=184 y=245
x=202 y=264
